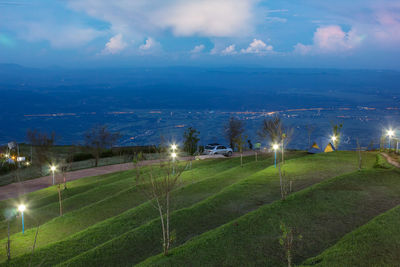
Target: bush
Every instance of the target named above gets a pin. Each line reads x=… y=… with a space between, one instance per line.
x=7 y=167
x=80 y=157
x=106 y=154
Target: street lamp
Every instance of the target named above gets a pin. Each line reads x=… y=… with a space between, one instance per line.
x=390 y=134
x=275 y=147
x=173 y=155
x=21 y=208
x=174 y=147
x=53 y=169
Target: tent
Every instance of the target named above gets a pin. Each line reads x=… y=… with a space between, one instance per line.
x=322 y=145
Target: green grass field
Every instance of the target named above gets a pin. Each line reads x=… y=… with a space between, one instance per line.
x=223 y=215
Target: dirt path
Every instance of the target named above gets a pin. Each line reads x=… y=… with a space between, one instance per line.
x=391 y=160
x=17 y=189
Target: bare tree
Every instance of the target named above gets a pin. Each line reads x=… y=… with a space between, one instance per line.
x=359 y=155
x=337 y=134
x=286 y=240
x=274 y=130
x=310 y=130
x=240 y=143
x=284 y=182
x=158 y=188
x=41 y=142
x=98 y=139
x=233 y=130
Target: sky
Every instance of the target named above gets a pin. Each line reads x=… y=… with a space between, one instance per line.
x=248 y=33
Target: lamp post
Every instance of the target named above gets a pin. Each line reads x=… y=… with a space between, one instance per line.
x=21 y=208
x=53 y=169
x=173 y=155
x=275 y=148
x=390 y=134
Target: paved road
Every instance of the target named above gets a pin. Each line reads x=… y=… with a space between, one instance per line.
x=391 y=160
x=16 y=189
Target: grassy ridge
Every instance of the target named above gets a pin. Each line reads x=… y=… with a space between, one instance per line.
x=373 y=244
x=133 y=218
x=109 y=205
x=234 y=201
x=322 y=214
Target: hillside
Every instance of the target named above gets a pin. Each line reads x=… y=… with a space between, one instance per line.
x=223 y=214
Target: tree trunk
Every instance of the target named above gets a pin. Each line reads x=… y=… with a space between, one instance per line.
x=256 y=156
x=241 y=159
x=8 y=241
x=59 y=198
x=162 y=226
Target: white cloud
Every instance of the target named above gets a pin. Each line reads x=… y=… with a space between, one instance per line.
x=70 y=36
x=229 y=50
x=330 y=39
x=211 y=18
x=257 y=47
x=115 y=45
x=150 y=43
x=220 y=18
x=198 y=49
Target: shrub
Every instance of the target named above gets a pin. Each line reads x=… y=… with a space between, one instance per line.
x=80 y=157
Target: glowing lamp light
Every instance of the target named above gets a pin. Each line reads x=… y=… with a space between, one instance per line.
x=390 y=133
x=173 y=155
x=173 y=147
x=53 y=168
x=21 y=208
x=275 y=147
x=334 y=138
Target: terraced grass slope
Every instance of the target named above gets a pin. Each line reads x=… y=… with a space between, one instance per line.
x=322 y=214
x=373 y=244
x=61 y=227
x=234 y=201
x=94 y=199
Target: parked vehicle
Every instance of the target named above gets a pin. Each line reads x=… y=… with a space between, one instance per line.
x=217 y=149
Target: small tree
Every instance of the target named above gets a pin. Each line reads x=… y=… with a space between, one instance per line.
x=337 y=133
x=240 y=143
x=191 y=139
x=99 y=138
x=233 y=130
x=42 y=143
x=359 y=155
x=274 y=130
x=286 y=240
x=284 y=182
x=158 y=191
x=310 y=130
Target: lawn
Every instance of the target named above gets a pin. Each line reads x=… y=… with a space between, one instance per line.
x=222 y=214
x=234 y=201
x=321 y=214
x=373 y=244
x=110 y=205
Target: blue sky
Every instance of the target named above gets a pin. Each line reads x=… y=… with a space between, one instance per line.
x=301 y=33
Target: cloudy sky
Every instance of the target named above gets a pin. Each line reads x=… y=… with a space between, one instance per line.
x=273 y=33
